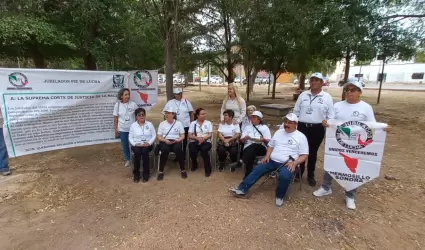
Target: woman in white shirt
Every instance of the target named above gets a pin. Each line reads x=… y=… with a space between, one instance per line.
x=235 y=102
x=200 y=133
x=184 y=112
x=170 y=136
x=142 y=137
x=247 y=119
x=352 y=109
x=228 y=135
x=123 y=118
x=255 y=137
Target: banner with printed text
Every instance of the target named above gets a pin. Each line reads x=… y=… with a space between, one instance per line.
x=354 y=151
x=45 y=110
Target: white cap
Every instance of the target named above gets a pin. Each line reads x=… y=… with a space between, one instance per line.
x=177 y=91
x=257 y=113
x=317 y=75
x=355 y=82
x=169 y=109
x=292 y=117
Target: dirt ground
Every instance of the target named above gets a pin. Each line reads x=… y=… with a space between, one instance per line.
x=83 y=198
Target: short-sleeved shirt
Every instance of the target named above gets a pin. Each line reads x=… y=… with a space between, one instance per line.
x=142 y=133
x=201 y=130
x=288 y=144
x=255 y=134
x=182 y=108
x=314 y=108
x=360 y=111
x=229 y=130
x=175 y=131
x=125 y=113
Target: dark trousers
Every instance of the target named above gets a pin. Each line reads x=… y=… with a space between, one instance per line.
x=315 y=134
x=141 y=153
x=232 y=150
x=186 y=133
x=250 y=153
x=166 y=149
x=204 y=148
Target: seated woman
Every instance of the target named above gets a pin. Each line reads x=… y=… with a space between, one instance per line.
x=200 y=133
x=141 y=138
x=255 y=137
x=170 y=136
x=247 y=119
x=228 y=135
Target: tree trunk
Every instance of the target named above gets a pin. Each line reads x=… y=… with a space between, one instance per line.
x=301 y=82
x=347 y=70
x=89 y=61
x=38 y=57
x=169 y=67
x=274 y=84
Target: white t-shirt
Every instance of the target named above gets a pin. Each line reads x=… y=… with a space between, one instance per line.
x=201 y=131
x=174 y=133
x=253 y=133
x=182 y=107
x=360 y=111
x=238 y=107
x=142 y=133
x=125 y=113
x=229 y=130
x=288 y=144
x=314 y=109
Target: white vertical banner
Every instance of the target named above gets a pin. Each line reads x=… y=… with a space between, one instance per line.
x=354 y=151
x=143 y=85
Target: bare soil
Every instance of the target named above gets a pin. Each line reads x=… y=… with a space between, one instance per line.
x=83 y=198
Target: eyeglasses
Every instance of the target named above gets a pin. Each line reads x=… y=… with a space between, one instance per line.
x=351 y=90
x=141 y=115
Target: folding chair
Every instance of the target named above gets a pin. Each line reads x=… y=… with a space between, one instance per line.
x=189 y=161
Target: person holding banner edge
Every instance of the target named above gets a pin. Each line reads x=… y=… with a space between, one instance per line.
x=352 y=109
x=123 y=118
x=142 y=138
x=312 y=107
x=4 y=157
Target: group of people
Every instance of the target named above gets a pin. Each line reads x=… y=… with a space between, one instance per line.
x=242 y=135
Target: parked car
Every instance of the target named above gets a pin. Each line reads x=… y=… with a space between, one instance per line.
x=204 y=79
x=306 y=81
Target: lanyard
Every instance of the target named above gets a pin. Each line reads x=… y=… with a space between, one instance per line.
x=200 y=127
x=143 y=129
x=313 y=98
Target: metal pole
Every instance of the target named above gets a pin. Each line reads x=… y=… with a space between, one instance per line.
x=381 y=80
x=360 y=71
x=268 y=91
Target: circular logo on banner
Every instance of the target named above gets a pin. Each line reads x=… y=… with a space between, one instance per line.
x=354 y=135
x=142 y=79
x=18 y=80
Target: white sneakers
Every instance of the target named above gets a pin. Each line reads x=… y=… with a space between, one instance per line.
x=350 y=202
x=236 y=191
x=127 y=164
x=279 y=202
x=322 y=192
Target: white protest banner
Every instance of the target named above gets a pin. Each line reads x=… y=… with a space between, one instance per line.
x=354 y=151
x=45 y=110
x=143 y=85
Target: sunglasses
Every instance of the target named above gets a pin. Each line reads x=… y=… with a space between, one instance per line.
x=141 y=115
x=351 y=90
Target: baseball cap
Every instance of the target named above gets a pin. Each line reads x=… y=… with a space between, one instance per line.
x=292 y=117
x=317 y=75
x=177 y=91
x=355 y=82
x=257 y=113
x=169 y=109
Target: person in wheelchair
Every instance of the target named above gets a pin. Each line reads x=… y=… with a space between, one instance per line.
x=200 y=133
x=255 y=137
x=286 y=143
x=141 y=137
x=228 y=136
x=170 y=137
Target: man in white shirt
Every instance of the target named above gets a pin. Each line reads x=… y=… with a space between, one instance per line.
x=312 y=107
x=287 y=142
x=4 y=157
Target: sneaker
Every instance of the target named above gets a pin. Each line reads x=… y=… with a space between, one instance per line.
x=221 y=166
x=6 y=173
x=350 y=202
x=160 y=177
x=322 y=192
x=193 y=168
x=145 y=180
x=236 y=191
x=127 y=164
x=184 y=174
x=136 y=179
x=311 y=182
x=207 y=174
x=279 y=202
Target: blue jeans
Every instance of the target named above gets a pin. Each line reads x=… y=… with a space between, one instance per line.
x=285 y=177
x=125 y=144
x=4 y=157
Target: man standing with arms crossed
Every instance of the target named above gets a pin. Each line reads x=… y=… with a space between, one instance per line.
x=312 y=107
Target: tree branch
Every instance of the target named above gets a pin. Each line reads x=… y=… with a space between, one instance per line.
x=405 y=16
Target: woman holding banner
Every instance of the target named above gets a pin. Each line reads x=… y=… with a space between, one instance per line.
x=123 y=118
x=142 y=137
x=352 y=109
